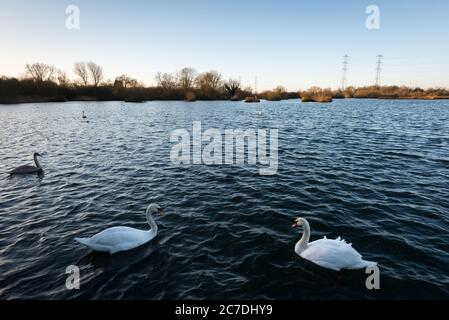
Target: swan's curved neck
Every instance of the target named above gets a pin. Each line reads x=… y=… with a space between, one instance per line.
x=37 y=162
x=304 y=241
x=151 y=222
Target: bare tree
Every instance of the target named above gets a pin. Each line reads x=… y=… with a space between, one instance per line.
x=40 y=71
x=80 y=69
x=96 y=73
x=62 y=78
x=166 y=80
x=125 y=81
x=232 y=87
x=209 y=81
x=186 y=78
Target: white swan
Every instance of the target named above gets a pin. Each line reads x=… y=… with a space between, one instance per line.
x=330 y=254
x=117 y=239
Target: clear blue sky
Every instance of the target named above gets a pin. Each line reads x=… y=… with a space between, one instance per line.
x=293 y=43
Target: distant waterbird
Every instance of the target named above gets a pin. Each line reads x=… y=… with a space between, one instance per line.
x=118 y=239
x=84 y=116
x=330 y=254
x=37 y=169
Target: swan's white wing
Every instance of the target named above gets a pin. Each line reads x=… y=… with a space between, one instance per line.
x=118 y=239
x=333 y=254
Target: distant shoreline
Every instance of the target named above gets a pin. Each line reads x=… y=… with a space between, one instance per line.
x=55 y=100
x=204 y=87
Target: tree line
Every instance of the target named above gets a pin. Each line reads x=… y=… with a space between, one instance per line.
x=42 y=82
x=45 y=83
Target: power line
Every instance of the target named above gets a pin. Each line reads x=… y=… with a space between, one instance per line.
x=378 y=69
x=344 y=72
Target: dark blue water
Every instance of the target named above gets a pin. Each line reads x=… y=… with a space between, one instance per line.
x=374 y=172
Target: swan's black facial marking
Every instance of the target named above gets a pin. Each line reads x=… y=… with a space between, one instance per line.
x=298 y=223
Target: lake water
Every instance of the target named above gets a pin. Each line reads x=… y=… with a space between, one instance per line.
x=374 y=172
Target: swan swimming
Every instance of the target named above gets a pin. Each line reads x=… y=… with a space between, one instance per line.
x=117 y=239
x=330 y=254
x=29 y=169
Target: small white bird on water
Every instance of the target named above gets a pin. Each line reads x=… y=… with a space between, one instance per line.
x=118 y=239
x=330 y=254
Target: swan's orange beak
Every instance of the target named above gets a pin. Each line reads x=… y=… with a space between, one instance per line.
x=295 y=225
x=160 y=211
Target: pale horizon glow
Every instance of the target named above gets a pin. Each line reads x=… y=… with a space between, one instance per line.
x=295 y=44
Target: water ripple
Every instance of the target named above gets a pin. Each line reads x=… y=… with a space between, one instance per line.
x=373 y=172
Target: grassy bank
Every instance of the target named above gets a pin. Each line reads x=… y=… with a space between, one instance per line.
x=386 y=92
